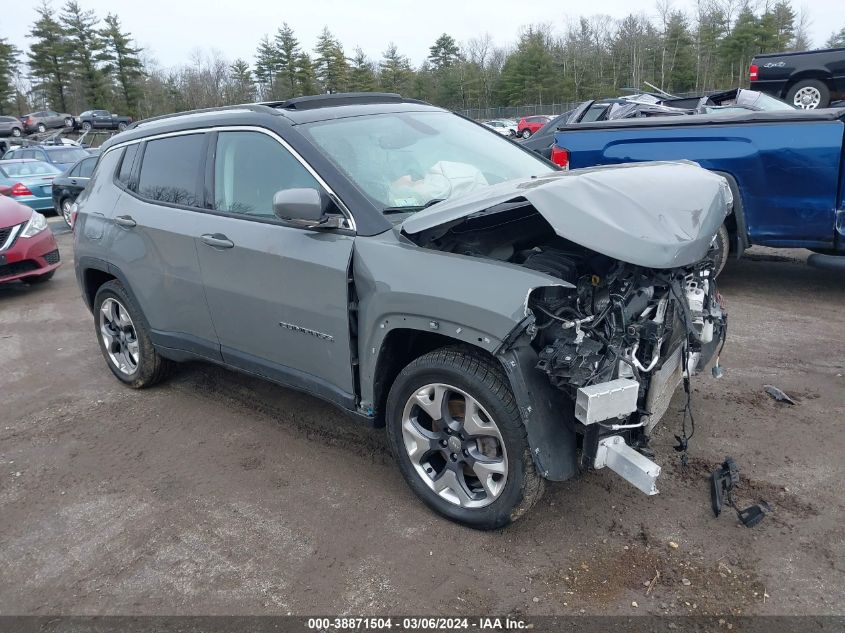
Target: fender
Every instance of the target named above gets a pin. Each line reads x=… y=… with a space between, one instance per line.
x=741 y=241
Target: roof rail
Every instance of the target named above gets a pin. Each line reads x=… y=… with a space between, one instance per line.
x=255 y=107
x=312 y=102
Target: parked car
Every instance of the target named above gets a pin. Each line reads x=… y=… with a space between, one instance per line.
x=61 y=156
x=530 y=124
x=806 y=79
x=68 y=185
x=101 y=119
x=785 y=169
x=28 y=250
x=30 y=182
x=44 y=120
x=10 y=126
x=506 y=128
x=418 y=272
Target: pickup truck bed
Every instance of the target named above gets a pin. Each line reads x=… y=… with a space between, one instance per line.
x=786 y=168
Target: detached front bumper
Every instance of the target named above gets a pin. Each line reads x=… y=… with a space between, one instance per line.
x=30 y=257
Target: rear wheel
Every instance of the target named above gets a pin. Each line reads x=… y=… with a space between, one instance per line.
x=16 y=132
x=722 y=248
x=68 y=122
x=809 y=94
x=121 y=126
x=65 y=206
x=41 y=127
x=86 y=126
x=526 y=133
x=455 y=431
x=124 y=339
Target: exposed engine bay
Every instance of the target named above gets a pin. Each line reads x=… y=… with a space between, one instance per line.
x=617 y=338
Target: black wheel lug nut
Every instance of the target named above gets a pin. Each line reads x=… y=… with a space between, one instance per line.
x=453 y=457
x=443 y=443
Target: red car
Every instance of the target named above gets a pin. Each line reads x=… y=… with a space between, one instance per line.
x=28 y=250
x=528 y=125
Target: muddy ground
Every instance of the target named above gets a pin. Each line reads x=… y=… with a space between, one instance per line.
x=219 y=494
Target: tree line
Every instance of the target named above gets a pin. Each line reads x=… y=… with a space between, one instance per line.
x=78 y=61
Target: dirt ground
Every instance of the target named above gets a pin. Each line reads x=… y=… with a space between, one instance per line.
x=219 y=494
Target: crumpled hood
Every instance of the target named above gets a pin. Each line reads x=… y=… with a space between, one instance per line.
x=657 y=215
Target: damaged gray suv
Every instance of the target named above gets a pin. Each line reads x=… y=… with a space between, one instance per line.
x=507 y=322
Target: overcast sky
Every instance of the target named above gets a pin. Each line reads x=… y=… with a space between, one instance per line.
x=171 y=29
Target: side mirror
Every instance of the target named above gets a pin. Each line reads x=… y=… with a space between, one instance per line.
x=302 y=207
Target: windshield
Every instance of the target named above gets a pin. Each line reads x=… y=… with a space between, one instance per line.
x=70 y=155
x=760 y=101
x=29 y=168
x=407 y=161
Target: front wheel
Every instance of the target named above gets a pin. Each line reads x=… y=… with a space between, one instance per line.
x=16 y=132
x=86 y=126
x=121 y=126
x=455 y=431
x=68 y=122
x=809 y=94
x=124 y=339
x=41 y=127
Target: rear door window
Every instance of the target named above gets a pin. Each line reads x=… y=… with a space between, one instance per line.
x=249 y=168
x=171 y=170
x=86 y=167
x=126 y=163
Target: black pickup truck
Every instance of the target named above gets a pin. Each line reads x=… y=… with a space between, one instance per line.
x=101 y=119
x=806 y=80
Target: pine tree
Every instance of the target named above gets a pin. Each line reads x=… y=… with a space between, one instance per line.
x=330 y=63
x=362 y=75
x=241 y=87
x=395 y=70
x=836 y=40
x=8 y=67
x=266 y=62
x=679 y=63
x=48 y=58
x=123 y=64
x=86 y=49
x=288 y=58
x=444 y=52
x=305 y=78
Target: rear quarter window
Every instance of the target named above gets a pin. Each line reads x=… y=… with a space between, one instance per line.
x=171 y=169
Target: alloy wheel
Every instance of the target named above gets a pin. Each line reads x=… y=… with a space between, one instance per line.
x=119 y=336
x=66 y=213
x=807 y=98
x=454 y=445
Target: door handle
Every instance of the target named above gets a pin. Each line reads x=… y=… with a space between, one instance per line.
x=125 y=221
x=217 y=240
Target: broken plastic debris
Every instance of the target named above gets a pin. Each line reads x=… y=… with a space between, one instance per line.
x=778 y=395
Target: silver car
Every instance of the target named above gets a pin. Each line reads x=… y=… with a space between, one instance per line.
x=44 y=120
x=506 y=322
x=10 y=126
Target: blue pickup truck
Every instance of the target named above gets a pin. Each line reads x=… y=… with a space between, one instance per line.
x=786 y=169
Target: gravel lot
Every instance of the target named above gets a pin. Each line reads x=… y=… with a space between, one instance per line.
x=219 y=494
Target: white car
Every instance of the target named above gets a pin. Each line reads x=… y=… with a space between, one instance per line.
x=502 y=126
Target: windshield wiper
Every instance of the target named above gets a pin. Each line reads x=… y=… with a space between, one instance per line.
x=412 y=208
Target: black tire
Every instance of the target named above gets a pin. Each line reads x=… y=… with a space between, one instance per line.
x=61 y=211
x=40 y=279
x=723 y=249
x=817 y=84
x=41 y=127
x=68 y=122
x=526 y=133
x=86 y=126
x=481 y=378
x=151 y=367
x=17 y=132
